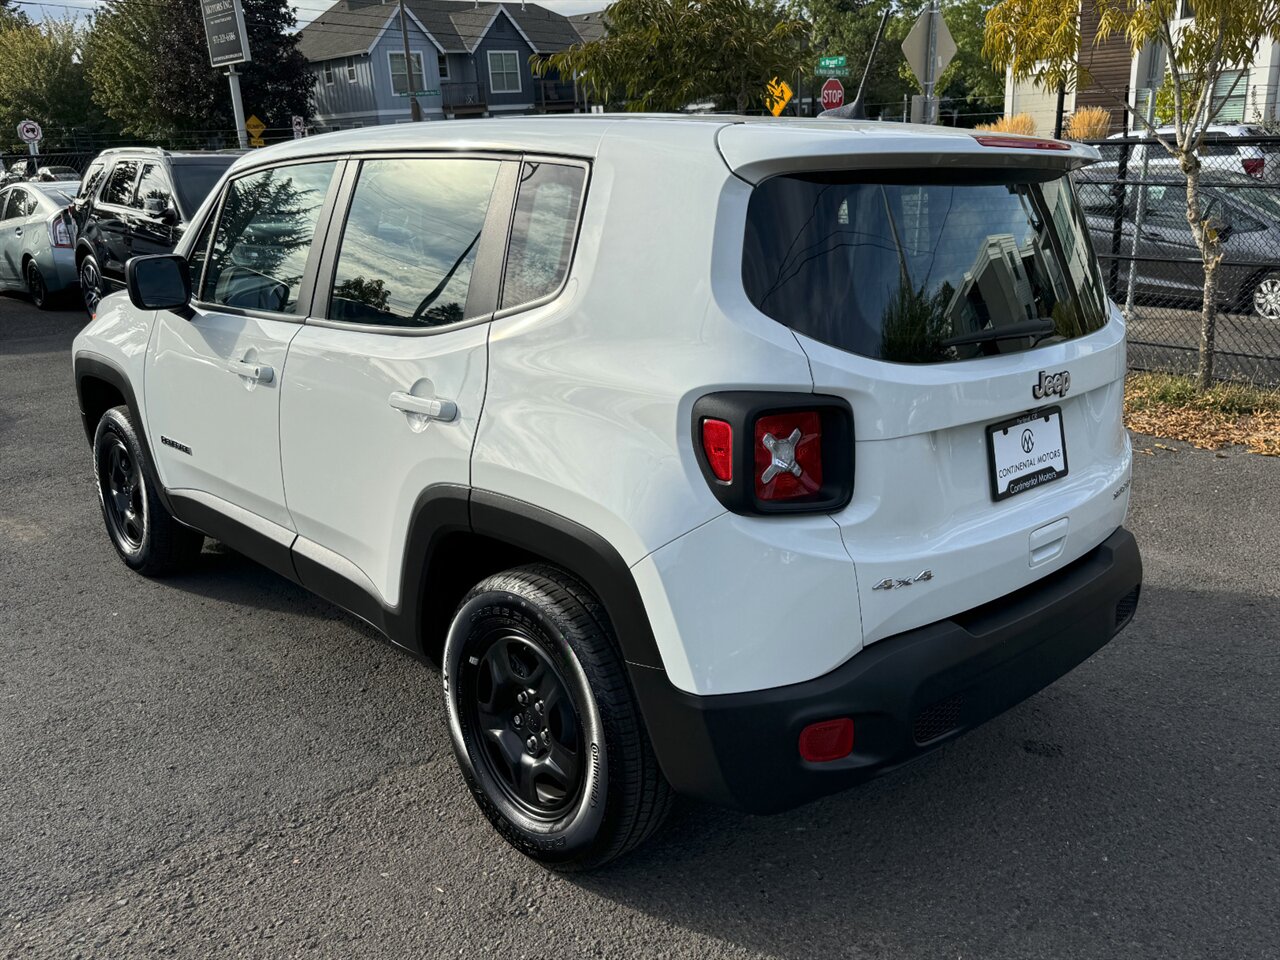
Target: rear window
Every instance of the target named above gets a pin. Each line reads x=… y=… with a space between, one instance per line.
x=919 y=268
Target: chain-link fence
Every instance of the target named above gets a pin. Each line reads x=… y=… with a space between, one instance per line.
x=1135 y=202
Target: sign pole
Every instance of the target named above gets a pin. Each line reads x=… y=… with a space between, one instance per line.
x=237 y=106
x=415 y=111
x=930 y=75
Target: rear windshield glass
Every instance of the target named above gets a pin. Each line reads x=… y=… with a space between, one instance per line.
x=193 y=180
x=917 y=270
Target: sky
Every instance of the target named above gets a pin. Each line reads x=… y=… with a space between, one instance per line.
x=308 y=10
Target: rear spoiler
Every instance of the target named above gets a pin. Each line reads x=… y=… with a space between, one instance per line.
x=756 y=151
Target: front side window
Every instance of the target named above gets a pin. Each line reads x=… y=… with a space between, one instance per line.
x=263 y=237
x=119 y=188
x=398 y=85
x=410 y=241
x=152 y=185
x=92 y=177
x=917 y=268
x=504 y=71
x=542 y=231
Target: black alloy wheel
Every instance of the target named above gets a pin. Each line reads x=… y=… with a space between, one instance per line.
x=123 y=495
x=36 y=286
x=532 y=736
x=90 y=284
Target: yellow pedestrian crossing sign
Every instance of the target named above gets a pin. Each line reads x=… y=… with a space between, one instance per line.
x=777 y=94
x=255 y=127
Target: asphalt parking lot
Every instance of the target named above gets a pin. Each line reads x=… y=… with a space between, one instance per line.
x=222 y=765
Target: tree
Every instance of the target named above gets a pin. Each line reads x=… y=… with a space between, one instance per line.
x=848 y=28
x=1040 y=40
x=667 y=54
x=149 y=68
x=42 y=78
x=10 y=15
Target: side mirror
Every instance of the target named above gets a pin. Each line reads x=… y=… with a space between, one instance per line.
x=158 y=283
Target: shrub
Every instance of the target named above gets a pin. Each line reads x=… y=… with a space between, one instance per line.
x=1088 y=123
x=1018 y=123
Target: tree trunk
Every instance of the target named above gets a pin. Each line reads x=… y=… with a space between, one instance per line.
x=1210 y=246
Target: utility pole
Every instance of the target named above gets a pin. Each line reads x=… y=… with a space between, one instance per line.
x=237 y=106
x=415 y=112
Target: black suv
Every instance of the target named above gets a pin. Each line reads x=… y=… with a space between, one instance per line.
x=136 y=201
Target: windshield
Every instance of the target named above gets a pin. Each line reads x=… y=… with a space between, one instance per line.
x=193 y=181
x=902 y=267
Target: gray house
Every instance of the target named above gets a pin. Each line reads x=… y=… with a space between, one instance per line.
x=465 y=59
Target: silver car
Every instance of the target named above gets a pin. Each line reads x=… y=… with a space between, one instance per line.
x=37 y=240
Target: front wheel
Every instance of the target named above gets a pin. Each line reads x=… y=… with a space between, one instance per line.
x=544 y=724
x=1266 y=297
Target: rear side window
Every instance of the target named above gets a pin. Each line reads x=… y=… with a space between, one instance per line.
x=410 y=241
x=92 y=178
x=21 y=204
x=119 y=188
x=542 y=231
x=263 y=237
x=914 y=268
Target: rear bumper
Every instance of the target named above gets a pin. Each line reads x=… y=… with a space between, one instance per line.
x=907 y=694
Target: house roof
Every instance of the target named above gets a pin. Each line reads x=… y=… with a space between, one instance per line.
x=590 y=26
x=457 y=26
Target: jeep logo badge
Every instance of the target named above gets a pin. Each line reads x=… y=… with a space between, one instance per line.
x=1051 y=383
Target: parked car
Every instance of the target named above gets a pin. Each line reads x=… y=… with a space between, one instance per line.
x=1229 y=147
x=19 y=171
x=36 y=233
x=136 y=201
x=573 y=405
x=1246 y=213
x=57 y=174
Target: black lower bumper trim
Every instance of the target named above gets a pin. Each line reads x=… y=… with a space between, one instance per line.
x=906 y=694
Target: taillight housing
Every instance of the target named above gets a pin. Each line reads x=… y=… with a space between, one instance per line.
x=765 y=453
x=1255 y=166
x=59 y=230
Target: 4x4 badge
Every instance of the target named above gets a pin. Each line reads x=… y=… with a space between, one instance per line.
x=1051 y=383
x=890 y=583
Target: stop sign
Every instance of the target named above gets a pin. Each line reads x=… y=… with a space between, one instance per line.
x=832 y=94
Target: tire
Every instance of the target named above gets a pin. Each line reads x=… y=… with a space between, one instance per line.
x=144 y=533
x=36 y=287
x=1263 y=297
x=90 y=276
x=538 y=632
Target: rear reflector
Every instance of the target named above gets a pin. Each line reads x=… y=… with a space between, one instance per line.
x=1023 y=143
x=717 y=444
x=1254 y=166
x=827 y=740
x=788 y=455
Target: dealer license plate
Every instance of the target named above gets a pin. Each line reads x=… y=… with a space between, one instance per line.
x=1026 y=452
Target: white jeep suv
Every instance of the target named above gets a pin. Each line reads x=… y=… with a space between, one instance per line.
x=743 y=459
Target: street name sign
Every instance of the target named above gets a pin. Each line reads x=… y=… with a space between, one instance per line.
x=224 y=29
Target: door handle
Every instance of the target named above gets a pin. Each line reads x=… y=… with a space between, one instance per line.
x=259 y=372
x=431 y=407
x=17 y=231
x=1149 y=234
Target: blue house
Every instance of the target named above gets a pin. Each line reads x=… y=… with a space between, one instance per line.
x=465 y=59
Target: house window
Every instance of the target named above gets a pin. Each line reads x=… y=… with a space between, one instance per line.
x=351 y=69
x=1186 y=9
x=398 y=85
x=504 y=71
x=443 y=62
x=1229 y=96
x=328 y=73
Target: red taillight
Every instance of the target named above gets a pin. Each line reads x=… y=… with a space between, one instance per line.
x=1023 y=143
x=1254 y=166
x=59 y=231
x=827 y=740
x=717 y=444
x=788 y=455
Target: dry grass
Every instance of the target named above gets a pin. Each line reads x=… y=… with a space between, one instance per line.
x=1088 y=123
x=1229 y=414
x=1018 y=123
